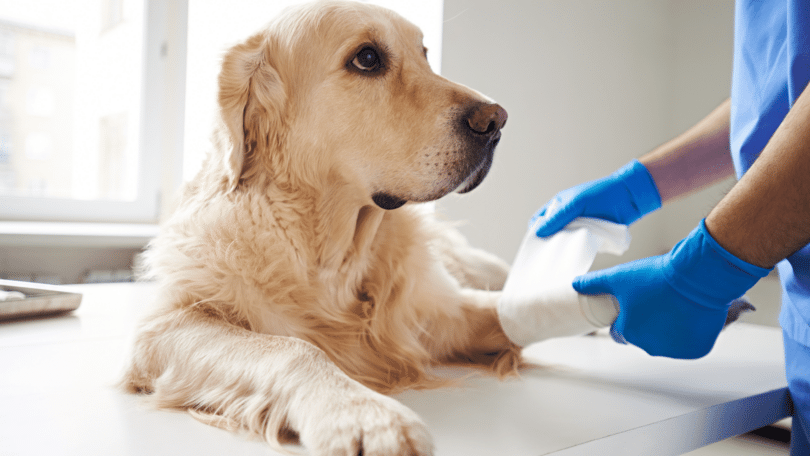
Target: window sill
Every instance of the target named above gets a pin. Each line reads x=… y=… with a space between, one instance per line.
x=63 y=234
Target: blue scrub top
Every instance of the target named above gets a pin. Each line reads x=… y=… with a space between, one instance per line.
x=771 y=69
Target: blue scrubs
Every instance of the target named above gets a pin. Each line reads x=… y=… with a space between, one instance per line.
x=771 y=70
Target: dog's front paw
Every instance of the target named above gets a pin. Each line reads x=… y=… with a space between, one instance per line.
x=367 y=425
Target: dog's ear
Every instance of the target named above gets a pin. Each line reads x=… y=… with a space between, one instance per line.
x=252 y=100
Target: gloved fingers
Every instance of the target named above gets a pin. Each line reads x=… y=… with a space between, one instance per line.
x=593 y=283
x=616 y=335
x=539 y=214
x=684 y=331
x=596 y=283
x=555 y=215
x=550 y=207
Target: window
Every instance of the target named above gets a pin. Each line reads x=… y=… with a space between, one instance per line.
x=5 y=131
x=112 y=13
x=5 y=147
x=6 y=53
x=73 y=90
x=113 y=158
x=40 y=57
x=94 y=117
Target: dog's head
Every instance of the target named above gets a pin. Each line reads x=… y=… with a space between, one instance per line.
x=340 y=90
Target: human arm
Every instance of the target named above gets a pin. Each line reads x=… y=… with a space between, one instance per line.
x=766 y=215
x=697 y=158
x=673 y=305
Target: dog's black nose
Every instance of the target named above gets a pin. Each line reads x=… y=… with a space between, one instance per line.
x=487 y=118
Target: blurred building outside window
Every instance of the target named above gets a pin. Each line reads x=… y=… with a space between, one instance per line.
x=71 y=99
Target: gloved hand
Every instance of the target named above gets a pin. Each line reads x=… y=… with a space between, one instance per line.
x=623 y=197
x=674 y=305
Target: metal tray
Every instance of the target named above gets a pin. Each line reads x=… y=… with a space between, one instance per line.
x=39 y=300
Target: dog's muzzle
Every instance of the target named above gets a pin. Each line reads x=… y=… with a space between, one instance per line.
x=483 y=131
x=479 y=126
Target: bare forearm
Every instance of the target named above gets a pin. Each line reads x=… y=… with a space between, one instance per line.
x=766 y=216
x=697 y=158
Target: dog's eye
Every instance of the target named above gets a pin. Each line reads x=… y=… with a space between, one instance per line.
x=367 y=59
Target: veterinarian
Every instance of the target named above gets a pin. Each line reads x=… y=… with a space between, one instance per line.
x=675 y=305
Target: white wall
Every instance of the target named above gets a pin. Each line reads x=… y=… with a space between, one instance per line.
x=588 y=86
x=703 y=50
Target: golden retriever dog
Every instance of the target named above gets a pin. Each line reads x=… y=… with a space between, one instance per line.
x=299 y=279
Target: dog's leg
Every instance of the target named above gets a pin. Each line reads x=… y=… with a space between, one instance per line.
x=464 y=326
x=472 y=267
x=269 y=385
x=484 y=342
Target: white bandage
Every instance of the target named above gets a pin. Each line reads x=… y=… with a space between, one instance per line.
x=538 y=301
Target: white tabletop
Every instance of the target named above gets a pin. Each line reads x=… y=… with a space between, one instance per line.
x=592 y=396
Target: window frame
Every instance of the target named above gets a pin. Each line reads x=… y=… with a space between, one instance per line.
x=161 y=132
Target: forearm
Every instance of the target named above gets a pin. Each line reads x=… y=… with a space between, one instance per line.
x=766 y=216
x=697 y=158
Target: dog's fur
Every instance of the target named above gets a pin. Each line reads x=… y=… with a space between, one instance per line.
x=294 y=289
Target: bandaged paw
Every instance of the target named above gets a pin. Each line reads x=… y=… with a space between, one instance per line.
x=538 y=301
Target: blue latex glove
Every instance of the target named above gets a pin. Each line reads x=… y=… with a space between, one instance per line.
x=675 y=304
x=623 y=197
